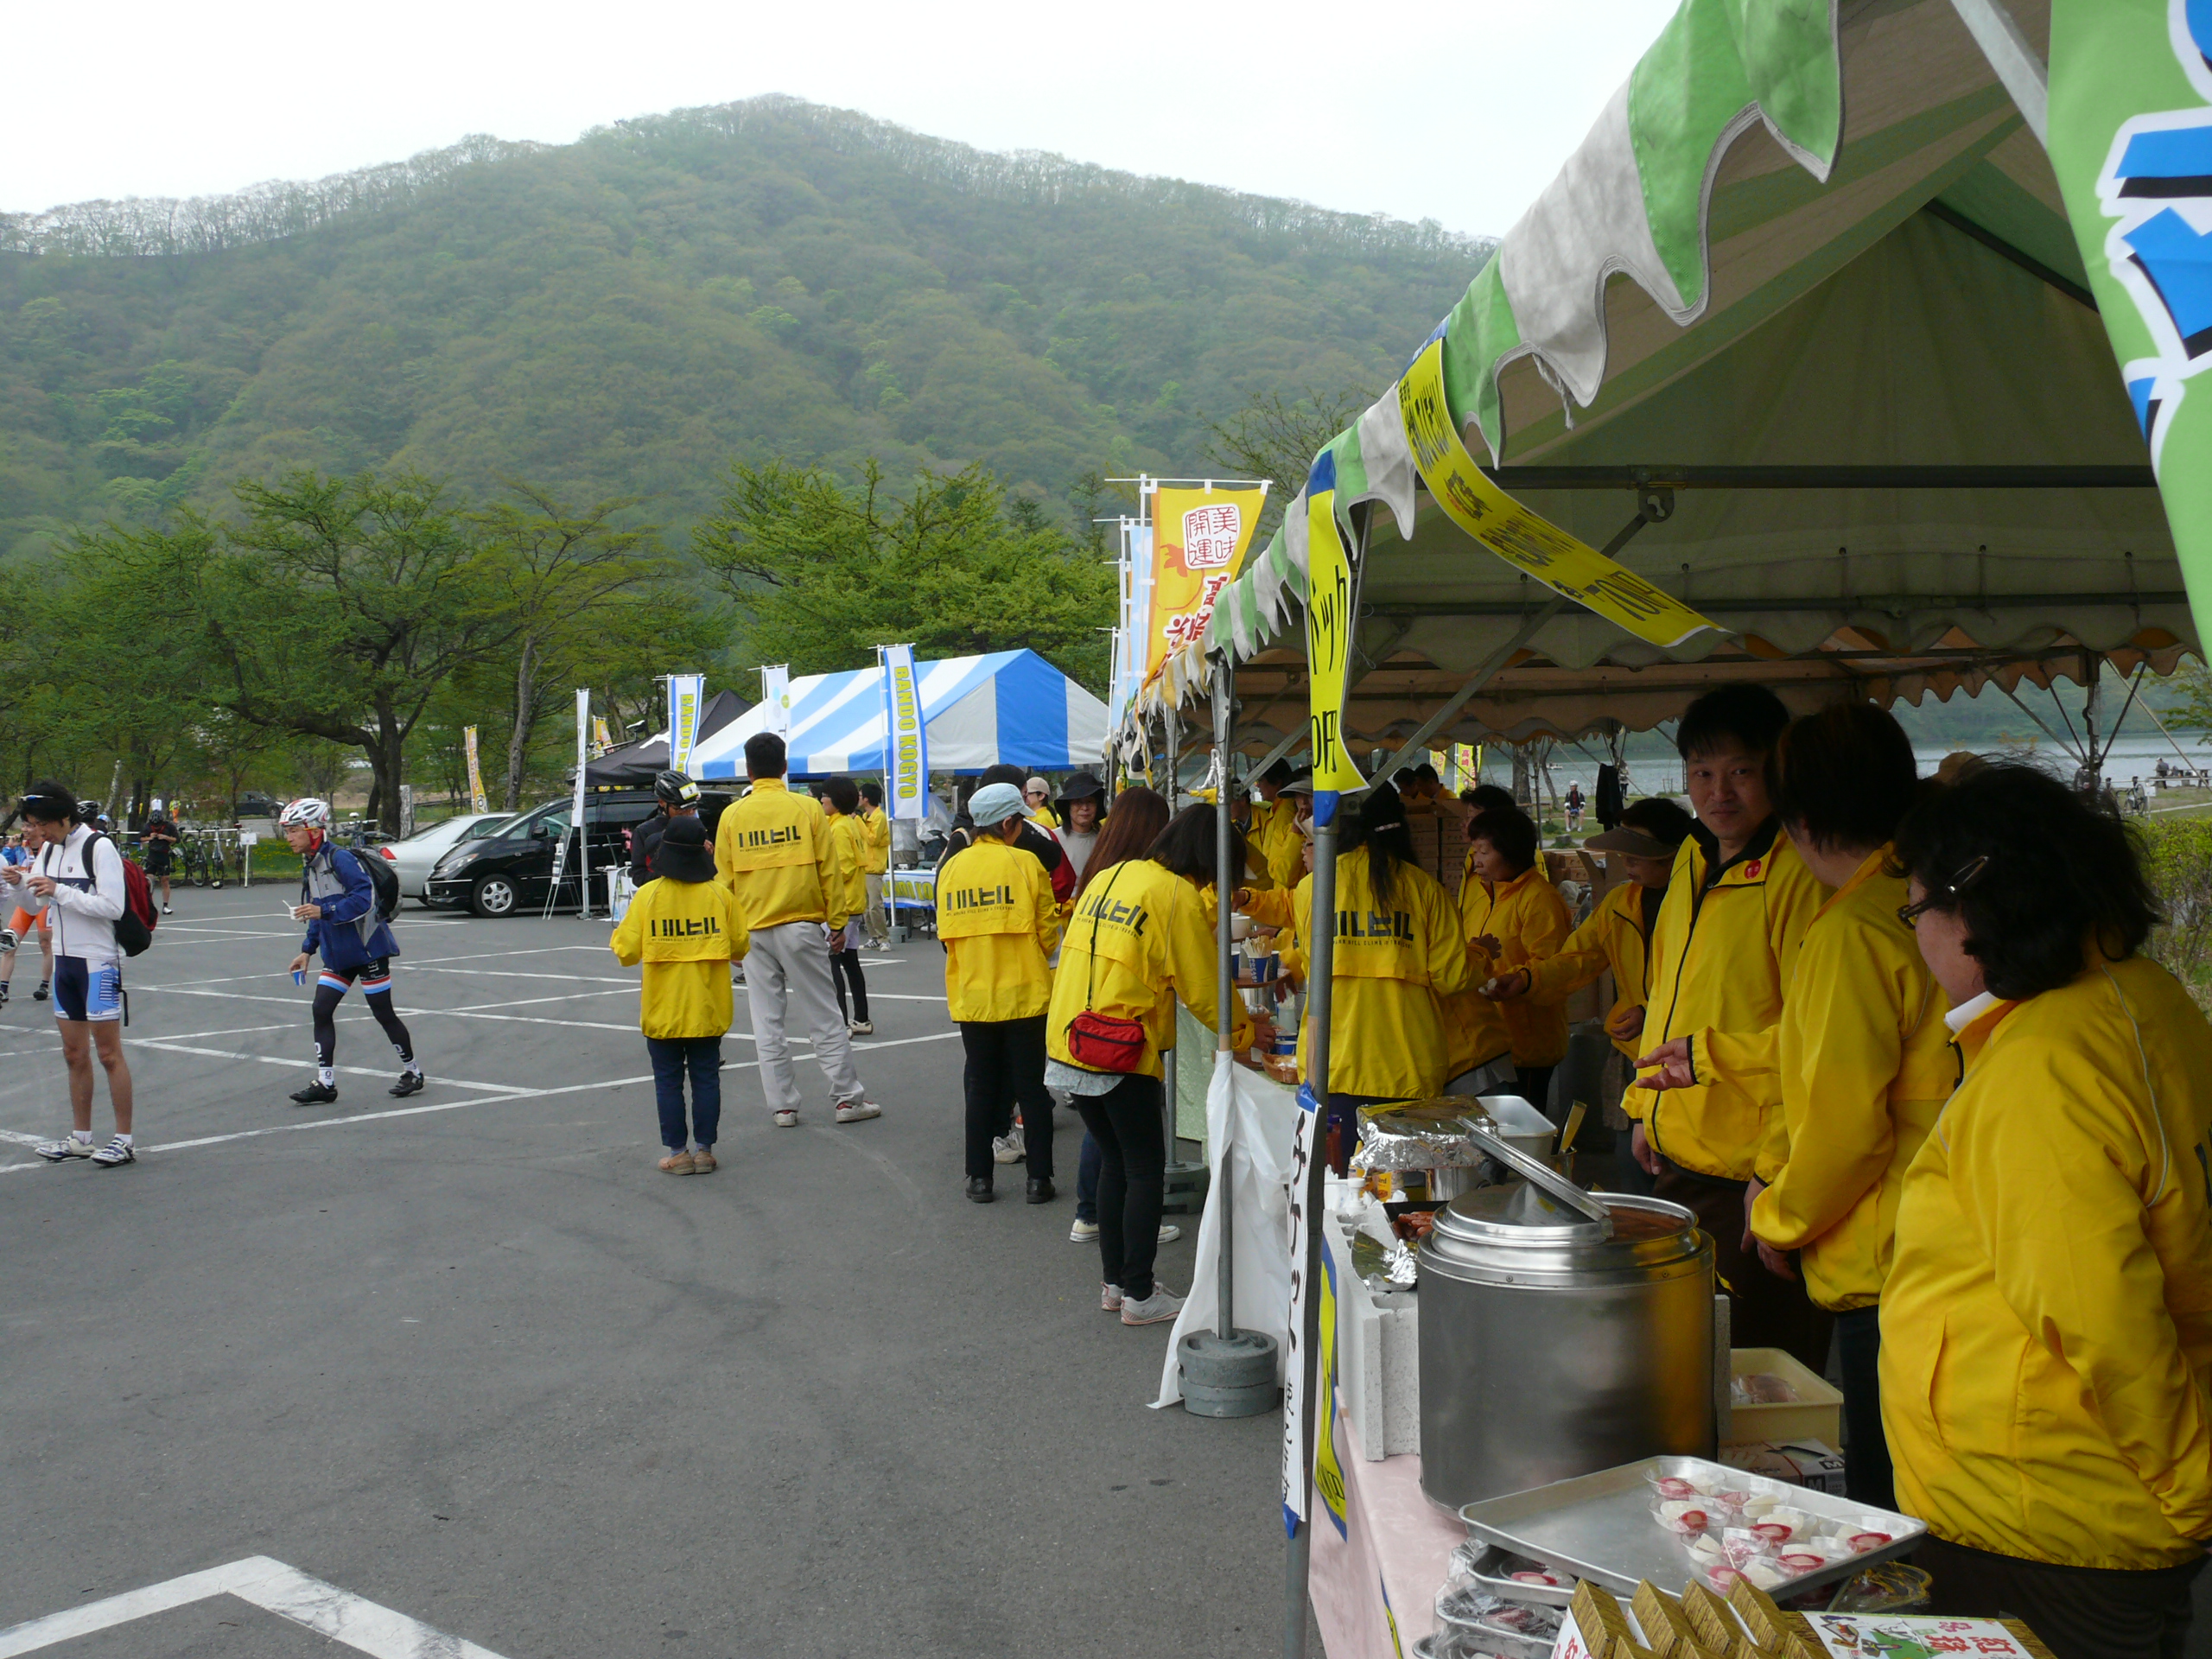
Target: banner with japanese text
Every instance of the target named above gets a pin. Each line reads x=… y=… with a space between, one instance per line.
x=686 y=692
x=776 y=699
x=477 y=801
x=1332 y=615
x=1199 y=539
x=906 y=755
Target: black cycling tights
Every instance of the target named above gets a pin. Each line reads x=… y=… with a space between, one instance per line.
x=327 y=999
x=845 y=969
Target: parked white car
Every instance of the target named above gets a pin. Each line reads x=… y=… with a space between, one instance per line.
x=417 y=855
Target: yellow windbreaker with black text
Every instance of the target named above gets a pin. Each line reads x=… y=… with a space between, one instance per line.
x=876 y=838
x=1611 y=936
x=773 y=849
x=1529 y=921
x=850 y=835
x=1720 y=959
x=999 y=922
x=1863 y=1062
x=1139 y=939
x=2047 y=1326
x=687 y=933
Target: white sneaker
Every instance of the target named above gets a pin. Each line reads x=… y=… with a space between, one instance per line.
x=787 y=1120
x=1009 y=1148
x=67 y=1147
x=857 y=1111
x=860 y=1028
x=1083 y=1232
x=1169 y=1232
x=117 y=1151
x=1109 y=1299
x=1163 y=1304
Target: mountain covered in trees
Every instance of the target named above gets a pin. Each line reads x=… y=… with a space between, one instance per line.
x=632 y=314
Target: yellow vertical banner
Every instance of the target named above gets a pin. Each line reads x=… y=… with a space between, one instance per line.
x=1331 y=616
x=476 y=801
x=1466 y=765
x=1328 y=1472
x=1199 y=538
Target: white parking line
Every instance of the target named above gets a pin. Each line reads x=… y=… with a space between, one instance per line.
x=293 y=1060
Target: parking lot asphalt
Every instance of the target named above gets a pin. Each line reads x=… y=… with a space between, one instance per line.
x=470 y=1356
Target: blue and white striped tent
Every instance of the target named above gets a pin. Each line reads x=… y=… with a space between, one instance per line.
x=1010 y=707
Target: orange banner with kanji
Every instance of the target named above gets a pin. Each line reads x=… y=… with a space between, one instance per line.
x=1199 y=539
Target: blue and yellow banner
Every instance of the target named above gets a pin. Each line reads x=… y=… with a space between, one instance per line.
x=906 y=737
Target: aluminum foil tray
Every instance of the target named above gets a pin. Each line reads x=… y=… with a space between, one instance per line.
x=1600 y=1527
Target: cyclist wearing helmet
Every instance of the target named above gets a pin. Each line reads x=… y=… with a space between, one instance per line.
x=339 y=905
x=678 y=797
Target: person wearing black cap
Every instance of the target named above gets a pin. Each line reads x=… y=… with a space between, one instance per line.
x=686 y=928
x=677 y=797
x=1083 y=812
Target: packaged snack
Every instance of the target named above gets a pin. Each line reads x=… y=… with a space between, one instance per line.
x=1715 y=1626
x=1760 y=1616
x=1665 y=1626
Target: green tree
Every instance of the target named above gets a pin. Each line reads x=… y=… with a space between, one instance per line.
x=825 y=572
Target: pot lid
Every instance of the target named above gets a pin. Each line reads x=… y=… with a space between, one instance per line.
x=1519 y=1216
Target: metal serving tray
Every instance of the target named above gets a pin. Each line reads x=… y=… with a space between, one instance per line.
x=1493 y=1570
x=1600 y=1527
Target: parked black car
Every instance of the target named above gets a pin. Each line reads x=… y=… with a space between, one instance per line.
x=511 y=870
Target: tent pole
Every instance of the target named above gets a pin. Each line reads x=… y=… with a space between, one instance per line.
x=1225 y=982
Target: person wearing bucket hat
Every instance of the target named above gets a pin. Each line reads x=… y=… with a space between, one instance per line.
x=999 y=922
x=1616 y=934
x=687 y=928
x=1083 y=812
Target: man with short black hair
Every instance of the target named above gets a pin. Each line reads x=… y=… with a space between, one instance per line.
x=79 y=873
x=773 y=849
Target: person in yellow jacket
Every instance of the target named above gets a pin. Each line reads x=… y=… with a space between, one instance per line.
x=1512 y=917
x=1721 y=951
x=774 y=851
x=1139 y=941
x=1283 y=823
x=2047 y=1324
x=841 y=800
x=1000 y=926
x=687 y=929
x=1038 y=794
x=1861 y=1054
x=1617 y=933
x=1398 y=956
x=876 y=838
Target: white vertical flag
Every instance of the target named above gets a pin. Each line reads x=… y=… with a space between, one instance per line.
x=576 y=814
x=686 y=692
x=776 y=699
x=906 y=750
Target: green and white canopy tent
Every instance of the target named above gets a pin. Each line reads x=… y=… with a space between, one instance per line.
x=1807 y=311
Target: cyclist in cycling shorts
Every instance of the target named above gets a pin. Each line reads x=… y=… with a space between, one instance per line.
x=30 y=912
x=339 y=905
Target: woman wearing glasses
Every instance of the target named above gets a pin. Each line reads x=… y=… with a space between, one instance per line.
x=2047 y=1323
x=1861 y=1055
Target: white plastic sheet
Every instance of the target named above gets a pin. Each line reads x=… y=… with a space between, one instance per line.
x=1251 y=1122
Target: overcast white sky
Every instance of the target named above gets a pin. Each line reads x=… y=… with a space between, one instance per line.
x=1453 y=109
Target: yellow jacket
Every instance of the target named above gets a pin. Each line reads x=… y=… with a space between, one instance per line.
x=1529 y=921
x=1612 y=936
x=1719 y=960
x=1274 y=824
x=850 y=835
x=997 y=917
x=773 y=849
x=1865 y=1064
x=2047 y=1326
x=1392 y=971
x=876 y=838
x=687 y=933
x=1139 y=939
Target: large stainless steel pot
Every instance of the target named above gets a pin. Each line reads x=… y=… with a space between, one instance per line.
x=1562 y=1332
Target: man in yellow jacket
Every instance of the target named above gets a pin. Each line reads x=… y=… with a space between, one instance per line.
x=1275 y=826
x=2047 y=1323
x=875 y=837
x=1000 y=926
x=1722 y=951
x=773 y=850
x=686 y=928
x=1514 y=918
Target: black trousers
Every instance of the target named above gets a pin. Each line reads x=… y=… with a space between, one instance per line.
x=1127 y=1124
x=1867 y=1476
x=845 y=970
x=1764 y=1310
x=2080 y=1613
x=1006 y=1069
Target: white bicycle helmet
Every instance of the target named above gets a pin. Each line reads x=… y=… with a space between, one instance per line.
x=306 y=812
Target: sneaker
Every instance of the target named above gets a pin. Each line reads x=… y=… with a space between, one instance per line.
x=703 y=1161
x=410 y=1083
x=1163 y=1304
x=1169 y=1232
x=1009 y=1148
x=38 y=995
x=4 y=992
x=860 y=1028
x=1109 y=1299
x=117 y=1151
x=166 y=910
x=67 y=1147
x=787 y=1119
x=857 y=1111
x=1083 y=1232
x=315 y=1094
x=679 y=1162
x=737 y=973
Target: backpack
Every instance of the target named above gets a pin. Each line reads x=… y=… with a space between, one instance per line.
x=381 y=878
x=134 y=929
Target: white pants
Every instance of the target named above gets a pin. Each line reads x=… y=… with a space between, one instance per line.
x=789 y=966
x=1492 y=1077
x=875 y=917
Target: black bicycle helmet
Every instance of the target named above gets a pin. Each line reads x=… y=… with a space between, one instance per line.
x=674 y=789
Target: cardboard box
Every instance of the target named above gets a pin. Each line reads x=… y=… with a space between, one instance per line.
x=1811 y=1464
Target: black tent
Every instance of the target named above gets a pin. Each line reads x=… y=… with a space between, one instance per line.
x=634 y=765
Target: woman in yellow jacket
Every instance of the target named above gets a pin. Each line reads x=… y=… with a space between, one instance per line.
x=687 y=928
x=875 y=839
x=1139 y=940
x=999 y=922
x=1512 y=917
x=1861 y=1055
x=841 y=801
x=2047 y=1325
x=1397 y=956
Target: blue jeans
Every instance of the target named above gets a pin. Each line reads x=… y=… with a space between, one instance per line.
x=703 y=1056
